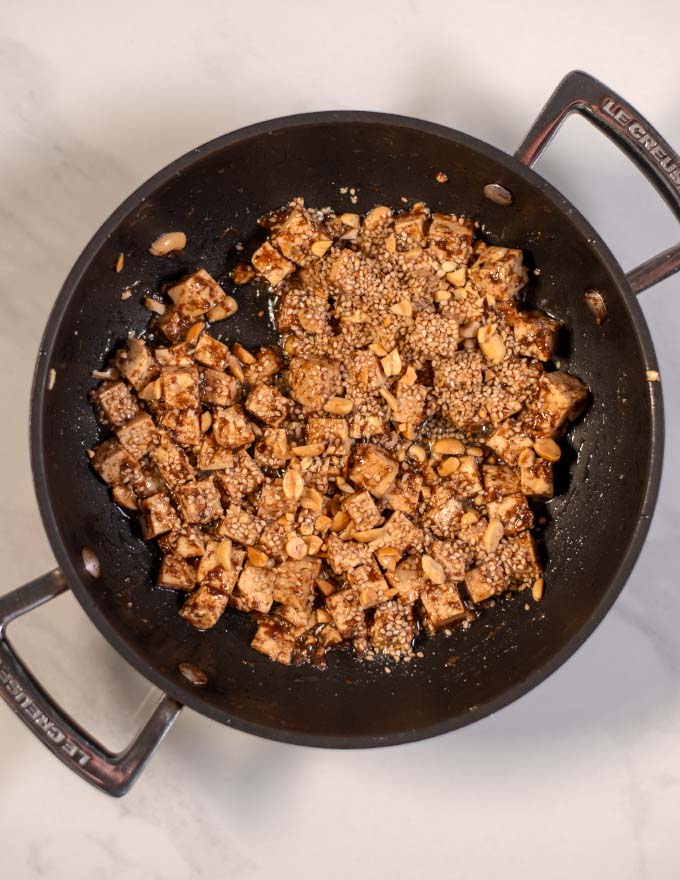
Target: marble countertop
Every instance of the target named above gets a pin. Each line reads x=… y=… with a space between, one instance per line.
x=581 y=778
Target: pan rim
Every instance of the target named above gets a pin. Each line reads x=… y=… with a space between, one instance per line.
x=185 y=693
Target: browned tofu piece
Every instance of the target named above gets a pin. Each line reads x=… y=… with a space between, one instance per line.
x=267 y=364
x=137 y=435
x=331 y=432
x=450 y=238
x=513 y=511
x=173 y=325
x=405 y=493
x=434 y=335
x=362 y=509
x=293 y=581
x=273 y=540
x=271 y=450
x=268 y=404
x=408 y=405
x=347 y=613
x=453 y=556
x=319 y=470
x=498 y=272
x=218 y=388
x=369 y=583
x=212 y=457
x=300 y=237
x=508 y=441
x=302 y=310
x=114 y=404
x=466 y=482
x=210 y=352
x=411 y=224
x=373 y=469
x=176 y=574
x=300 y=619
x=172 y=463
x=241 y=526
x=393 y=630
x=313 y=380
x=342 y=273
x=500 y=480
x=256 y=588
x=275 y=638
x=519 y=557
x=200 y=501
x=136 y=363
x=271 y=264
x=185 y=541
x=178 y=355
x=273 y=502
x=180 y=387
x=537 y=480
x=183 y=426
x=231 y=428
x=561 y=398
x=239 y=476
x=344 y=555
x=408 y=580
x=217 y=574
x=195 y=295
x=486 y=580
x=365 y=374
x=458 y=381
x=399 y=533
x=444 y=512
x=363 y=426
x=535 y=334
x=114 y=464
x=158 y=516
x=442 y=604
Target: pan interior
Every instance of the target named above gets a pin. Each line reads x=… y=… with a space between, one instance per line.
x=215 y=196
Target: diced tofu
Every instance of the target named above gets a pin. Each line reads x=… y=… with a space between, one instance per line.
x=271 y=450
x=114 y=403
x=332 y=432
x=319 y=470
x=255 y=586
x=410 y=404
x=205 y=605
x=399 y=533
x=412 y=224
x=218 y=388
x=486 y=580
x=535 y=334
x=114 y=464
x=186 y=542
x=183 y=426
x=344 y=555
x=300 y=619
x=442 y=604
x=365 y=374
x=200 y=501
x=273 y=540
x=273 y=502
x=178 y=355
x=450 y=239
x=293 y=581
x=172 y=463
x=196 y=294
x=434 y=336
x=373 y=469
x=466 y=481
x=453 y=556
x=158 y=516
x=239 y=476
x=300 y=238
x=500 y=480
x=302 y=310
x=369 y=583
x=267 y=364
x=561 y=398
x=393 y=630
x=173 y=325
x=537 y=480
x=362 y=509
x=513 y=511
x=313 y=380
x=180 y=387
x=347 y=613
x=176 y=574
x=444 y=512
x=220 y=566
x=268 y=404
x=212 y=457
x=519 y=557
x=343 y=270
x=498 y=272
x=363 y=426
x=275 y=639
x=210 y=352
x=271 y=264
x=231 y=428
x=508 y=441
x=137 y=435
x=405 y=493
x=408 y=580
x=136 y=363
x=241 y=526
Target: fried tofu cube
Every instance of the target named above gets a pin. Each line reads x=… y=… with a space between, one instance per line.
x=271 y=450
x=561 y=399
x=137 y=435
x=453 y=556
x=405 y=493
x=466 y=481
x=410 y=404
x=158 y=516
x=302 y=310
x=271 y=264
x=268 y=404
x=369 y=583
x=172 y=463
x=136 y=363
x=212 y=457
x=239 y=476
x=313 y=380
x=393 y=630
x=434 y=335
x=535 y=334
x=231 y=428
x=519 y=557
x=398 y=533
x=486 y=580
x=293 y=581
x=114 y=404
x=513 y=511
x=408 y=580
x=508 y=441
x=300 y=237
x=178 y=355
x=347 y=613
x=300 y=620
x=500 y=480
x=333 y=433
x=183 y=426
x=342 y=272
x=172 y=325
x=195 y=295
x=450 y=238
x=361 y=507
x=538 y=480
x=267 y=364
x=345 y=555
x=442 y=604
x=218 y=388
x=256 y=588
x=363 y=426
x=204 y=607
x=176 y=574
x=186 y=542
x=114 y=464
x=365 y=374
x=275 y=639
x=273 y=502
x=180 y=387
x=200 y=501
x=210 y=352
x=373 y=469
x=273 y=540
x=241 y=526
x=498 y=272
x=411 y=224
x=444 y=512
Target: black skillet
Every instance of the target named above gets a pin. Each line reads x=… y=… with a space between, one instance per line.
x=215 y=194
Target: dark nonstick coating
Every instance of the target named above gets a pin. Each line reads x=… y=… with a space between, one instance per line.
x=596 y=526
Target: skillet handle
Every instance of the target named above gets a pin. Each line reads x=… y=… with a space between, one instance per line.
x=581 y=93
x=113 y=774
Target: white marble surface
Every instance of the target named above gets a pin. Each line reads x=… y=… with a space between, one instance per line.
x=579 y=779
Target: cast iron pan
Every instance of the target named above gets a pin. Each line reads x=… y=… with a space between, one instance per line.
x=215 y=194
